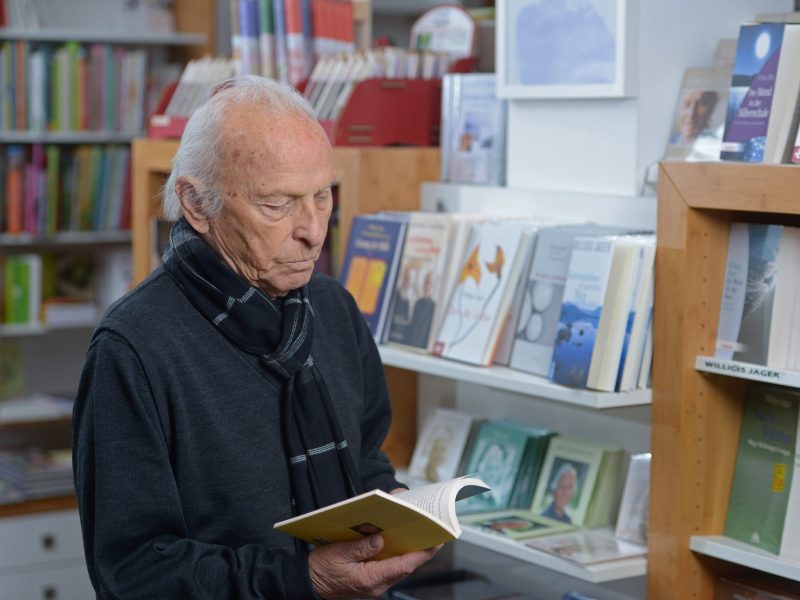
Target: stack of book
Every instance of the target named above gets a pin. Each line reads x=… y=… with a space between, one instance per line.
x=37 y=473
x=569 y=302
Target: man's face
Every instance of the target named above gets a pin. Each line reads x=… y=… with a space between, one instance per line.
x=564 y=490
x=695 y=111
x=276 y=182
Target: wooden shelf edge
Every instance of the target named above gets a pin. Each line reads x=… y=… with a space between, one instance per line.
x=38 y=506
x=743 y=554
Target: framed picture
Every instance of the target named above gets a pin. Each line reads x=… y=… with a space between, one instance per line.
x=564 y=48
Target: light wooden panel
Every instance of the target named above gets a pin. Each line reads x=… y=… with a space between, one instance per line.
x=196 y=16
x=697 y=417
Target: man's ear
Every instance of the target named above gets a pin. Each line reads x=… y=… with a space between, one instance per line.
x=189 y=192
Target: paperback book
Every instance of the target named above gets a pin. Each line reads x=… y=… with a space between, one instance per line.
x=762 y=104
x=764 y=504
x=634 y=509
x=370 y=265
x=516 y=524
x=440 y=445
x=578 y=484
x=481 y=297
x=408 y=521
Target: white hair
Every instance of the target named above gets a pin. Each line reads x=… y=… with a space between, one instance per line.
x=198 y=155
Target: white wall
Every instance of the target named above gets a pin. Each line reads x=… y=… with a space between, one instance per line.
x=605 y=145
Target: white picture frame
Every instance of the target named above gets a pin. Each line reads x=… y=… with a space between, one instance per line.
x=599 y=65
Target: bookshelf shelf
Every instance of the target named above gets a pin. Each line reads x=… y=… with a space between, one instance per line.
x=751 y=372
x=740 y=553
x=28 y=329
x=38 y=506
x=65 y=238
x=504 y=378
x=65 y=137
x=111 y=37
x=597 y=573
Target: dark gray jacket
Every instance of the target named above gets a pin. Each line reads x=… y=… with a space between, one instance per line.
x=179 y=466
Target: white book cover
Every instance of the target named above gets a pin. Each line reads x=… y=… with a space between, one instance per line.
x=587 y=547
x=748 y=292
x=604 y=368
x=633 y=510
x=473 y=130
x=440 y=445
x=416 y=297
x=541 y=304
x=481 y=295
x=783 y=325
x=581 y=310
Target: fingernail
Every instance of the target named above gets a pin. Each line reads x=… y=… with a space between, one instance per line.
x=375 y=542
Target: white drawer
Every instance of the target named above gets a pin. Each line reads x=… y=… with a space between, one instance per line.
x=39 y=538
x=69 y=581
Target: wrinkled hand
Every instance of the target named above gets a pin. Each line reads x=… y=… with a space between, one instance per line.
x=339 y=571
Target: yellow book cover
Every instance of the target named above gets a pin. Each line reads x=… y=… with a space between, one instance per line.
x=409 y=521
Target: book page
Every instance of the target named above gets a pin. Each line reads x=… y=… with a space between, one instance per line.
x=437 y=498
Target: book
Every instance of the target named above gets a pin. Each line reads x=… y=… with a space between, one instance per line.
x=408 y=521
x=633 y=513
x=516 y=524
x=482 y=294
x=419 y=293
x=748 y=292
x=469 y=589
x=473 y=130
x=784 y=325
x=370 y=266
x=700 y=115
x=440 y=445
x=587 y=547
x=495 y=455
x=578 y=484
x=762 y=103
x=590 y=269
x=731 y=589
x=764 y=503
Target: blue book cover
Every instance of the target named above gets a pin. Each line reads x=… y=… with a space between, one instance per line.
x=752 y=89
x=370 y=265
x=581 y=307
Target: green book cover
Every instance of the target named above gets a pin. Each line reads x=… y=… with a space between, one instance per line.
x=516 y=524
x=568 y=479
x=495 y=457
x=51 y=215
x=606 y=491
x=759 y=497
x=17 y=290
x=530 y=468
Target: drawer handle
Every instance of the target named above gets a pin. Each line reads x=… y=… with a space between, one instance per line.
x=49 y=542
x=50 y=593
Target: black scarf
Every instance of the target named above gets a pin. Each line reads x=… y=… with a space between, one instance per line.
x=278 y=334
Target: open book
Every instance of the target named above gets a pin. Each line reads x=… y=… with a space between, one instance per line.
x=412 y=520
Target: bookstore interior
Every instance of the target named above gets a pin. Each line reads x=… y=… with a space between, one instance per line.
x=561 y=221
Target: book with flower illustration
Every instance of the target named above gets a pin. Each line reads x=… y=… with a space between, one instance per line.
x=370 y=264
x=481 y=296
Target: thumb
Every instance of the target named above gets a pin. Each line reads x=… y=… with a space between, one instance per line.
x=367 y=548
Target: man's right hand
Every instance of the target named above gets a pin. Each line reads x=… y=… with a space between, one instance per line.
x=341 y=570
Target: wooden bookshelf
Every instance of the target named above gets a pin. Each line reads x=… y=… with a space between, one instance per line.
x=38 y=506
x=697 y=416
x=370 y=179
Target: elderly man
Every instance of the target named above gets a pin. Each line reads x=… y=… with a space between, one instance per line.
x=234 y=388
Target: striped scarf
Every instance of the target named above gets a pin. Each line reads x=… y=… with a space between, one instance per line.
x=276 y=334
